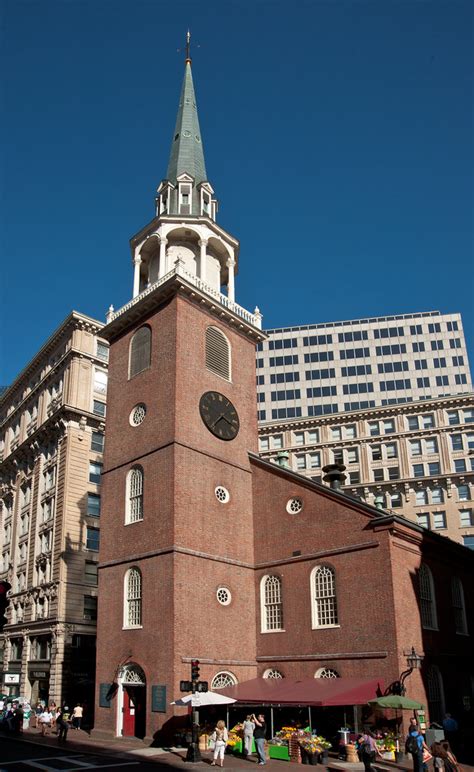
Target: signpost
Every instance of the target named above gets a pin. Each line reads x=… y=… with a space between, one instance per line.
x=195 y=686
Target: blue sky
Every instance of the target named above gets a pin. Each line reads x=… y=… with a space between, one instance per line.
x=338 y=137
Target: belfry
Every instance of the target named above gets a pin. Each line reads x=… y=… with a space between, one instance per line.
x=177 y=522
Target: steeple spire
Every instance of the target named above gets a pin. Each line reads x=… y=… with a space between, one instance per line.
x=187 y=154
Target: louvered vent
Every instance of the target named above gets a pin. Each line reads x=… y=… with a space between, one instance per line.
x=140 y=351
x=217 y=353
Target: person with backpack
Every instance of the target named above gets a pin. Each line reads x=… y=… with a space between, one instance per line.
x=220 y=738
x=415 y=745
x=62 y=722
x=368 y=750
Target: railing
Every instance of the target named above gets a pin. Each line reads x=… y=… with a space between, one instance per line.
x=178 y=270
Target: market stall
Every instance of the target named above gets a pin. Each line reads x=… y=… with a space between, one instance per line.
x=300 y=741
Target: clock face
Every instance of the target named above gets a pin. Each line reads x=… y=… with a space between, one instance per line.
x=219 y=415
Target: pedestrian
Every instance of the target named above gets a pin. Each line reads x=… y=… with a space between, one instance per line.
x=54 y=711
x=248 y=727
x=18 y=718
x=259 y=737
x=440 y=757
x=62 y=722
x=450 y=763
x=220 y=737
x=77 y=716
x=451 y=727
x=368 y=749
x=45 y=719
x=416 y=746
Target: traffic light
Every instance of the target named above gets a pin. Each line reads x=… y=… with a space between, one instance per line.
x=5 y=587
x=195 y=670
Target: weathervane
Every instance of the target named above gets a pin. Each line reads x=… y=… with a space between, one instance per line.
x=187 y=48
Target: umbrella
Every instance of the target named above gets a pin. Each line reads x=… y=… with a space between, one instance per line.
x=200 y=699
x=397 y=702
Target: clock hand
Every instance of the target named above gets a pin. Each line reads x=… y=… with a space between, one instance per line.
x=218 y=419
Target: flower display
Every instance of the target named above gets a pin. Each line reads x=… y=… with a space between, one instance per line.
x=386 y=741
x=235 y=735
x=306 y=740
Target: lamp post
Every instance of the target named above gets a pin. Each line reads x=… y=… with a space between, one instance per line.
x=414 y=661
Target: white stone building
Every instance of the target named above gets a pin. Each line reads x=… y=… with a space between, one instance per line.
x=51 y=444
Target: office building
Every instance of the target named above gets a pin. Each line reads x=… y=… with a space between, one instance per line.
x=389 y=397
x=340 y=367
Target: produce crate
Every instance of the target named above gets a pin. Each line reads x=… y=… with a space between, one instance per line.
x=279 y=752
x=239 y=746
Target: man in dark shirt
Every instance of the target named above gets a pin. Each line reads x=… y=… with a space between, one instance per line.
x=259 y=737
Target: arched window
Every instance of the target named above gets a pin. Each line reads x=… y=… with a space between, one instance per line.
x=223 y=679
x=133 y=599
x=326 y=672
x=217 y=353
x=140 y=351
x=323 y=597
x=271 y=604
x=435 y=693
x=272 y=673
x=457 y=596
x=134 y=504
x=429 y=618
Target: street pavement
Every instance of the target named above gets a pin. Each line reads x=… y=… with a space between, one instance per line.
x=30 y=751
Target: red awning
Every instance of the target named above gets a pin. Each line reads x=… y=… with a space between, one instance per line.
x=307 y=691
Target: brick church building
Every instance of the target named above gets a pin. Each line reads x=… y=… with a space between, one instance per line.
x=208 y=551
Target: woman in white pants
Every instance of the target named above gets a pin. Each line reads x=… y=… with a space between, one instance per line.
x=220 y=738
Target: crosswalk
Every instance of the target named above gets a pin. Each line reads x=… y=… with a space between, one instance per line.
x=71 y=763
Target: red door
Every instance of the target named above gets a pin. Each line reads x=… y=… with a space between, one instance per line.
x=128 y=714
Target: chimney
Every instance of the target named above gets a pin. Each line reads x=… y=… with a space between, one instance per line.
x=334 y=475
x=282 y=459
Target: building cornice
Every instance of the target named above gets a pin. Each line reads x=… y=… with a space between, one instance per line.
x=73 y=321
x=178 y=219
x=178 y=281
x=369 y=414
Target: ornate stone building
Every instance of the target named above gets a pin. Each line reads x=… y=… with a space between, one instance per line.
x=414 y=458
x=51 y=445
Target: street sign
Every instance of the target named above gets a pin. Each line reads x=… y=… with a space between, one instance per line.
x=185 y=686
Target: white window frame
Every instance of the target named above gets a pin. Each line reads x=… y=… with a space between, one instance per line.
x=459 y=606
x=134 y=495
x=212 y=335
x=271 y=600
x=328 y=597
x=132 y=599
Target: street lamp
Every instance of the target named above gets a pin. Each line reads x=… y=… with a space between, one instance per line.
x=414 y=661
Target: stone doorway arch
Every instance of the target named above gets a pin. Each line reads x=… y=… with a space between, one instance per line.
x=131 y=703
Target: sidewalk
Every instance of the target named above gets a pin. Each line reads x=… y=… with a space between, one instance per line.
x=80 y=741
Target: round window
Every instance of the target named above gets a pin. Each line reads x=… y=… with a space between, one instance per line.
x=294 y=506
x=223 y=596
x=222 y=494
x=138 y=414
